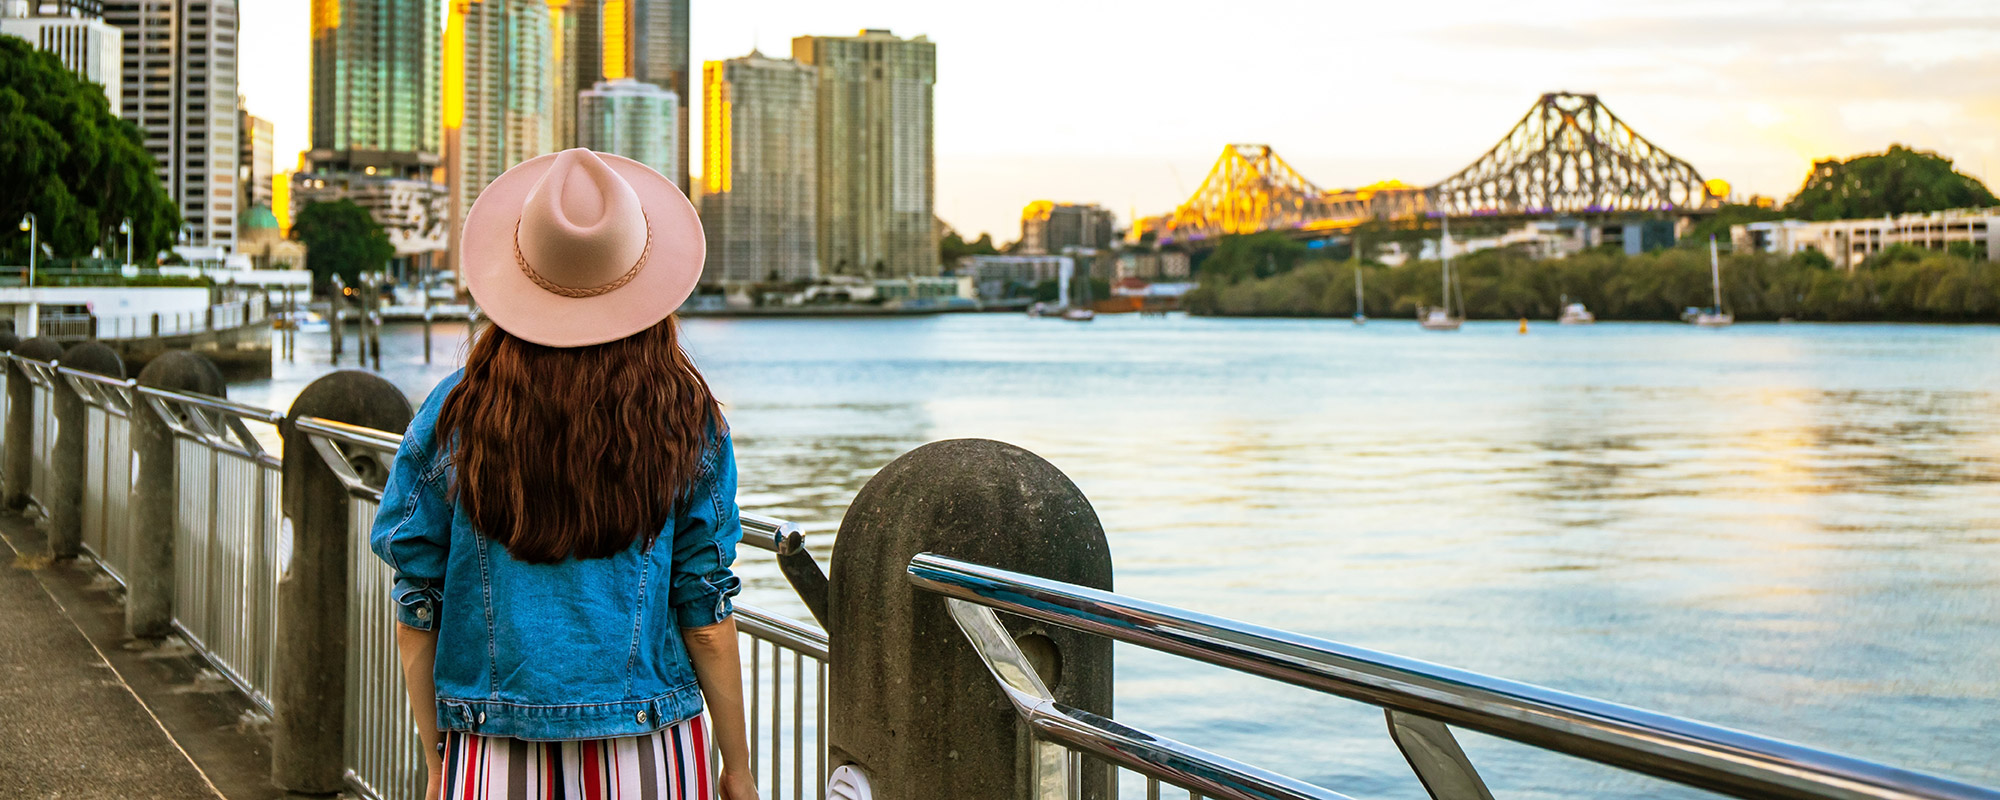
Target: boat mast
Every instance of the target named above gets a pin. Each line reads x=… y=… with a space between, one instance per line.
x=1715 y=272
x=1444 y=250
x=1357 y=287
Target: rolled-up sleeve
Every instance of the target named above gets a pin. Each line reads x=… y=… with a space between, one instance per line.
x=412 y=533
x=705 y=537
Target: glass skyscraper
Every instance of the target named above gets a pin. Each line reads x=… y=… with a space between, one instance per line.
x=633 y=119
x=498 y=71
x=758 y=180
x=376 y=86
x=875 y=159
x=608 y=40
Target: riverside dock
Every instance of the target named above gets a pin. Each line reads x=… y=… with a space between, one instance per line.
x=174 y=543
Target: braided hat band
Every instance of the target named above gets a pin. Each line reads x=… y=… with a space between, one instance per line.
x=556 y=288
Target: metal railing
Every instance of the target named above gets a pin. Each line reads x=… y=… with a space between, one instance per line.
x=382 y=756
x=107 y=467
x=1419 y=699
x=215 y=317
x=229 y=534
x=42 y=438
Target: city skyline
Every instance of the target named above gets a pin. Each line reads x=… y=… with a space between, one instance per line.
x=1750 y=92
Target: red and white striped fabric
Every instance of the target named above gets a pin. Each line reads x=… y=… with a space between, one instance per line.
x=668 y=764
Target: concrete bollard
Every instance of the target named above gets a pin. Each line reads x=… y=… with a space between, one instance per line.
x=910 y=703
x=66 y=464
x=20 y=465
x=309 y=679
x=149 y=578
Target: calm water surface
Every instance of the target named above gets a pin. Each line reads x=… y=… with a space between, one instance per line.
x=1793 y=529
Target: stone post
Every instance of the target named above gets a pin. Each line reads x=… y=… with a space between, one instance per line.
x=20 y=464
x=66 y=464
x=910 y=703
x=309 y=680
x=149 y=579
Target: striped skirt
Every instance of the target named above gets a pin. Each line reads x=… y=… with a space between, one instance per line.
x=668 y=764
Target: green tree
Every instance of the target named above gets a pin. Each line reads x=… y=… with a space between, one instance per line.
x=952 y=247
x=343 y=239
x=66 y=158
x=1899 y=181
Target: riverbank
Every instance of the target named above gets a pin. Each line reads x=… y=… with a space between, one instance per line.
x=1899 y=286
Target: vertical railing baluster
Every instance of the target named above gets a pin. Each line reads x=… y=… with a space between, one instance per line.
x=752 y=717
x=798 y=725
x=777 y=726
x=819 y=730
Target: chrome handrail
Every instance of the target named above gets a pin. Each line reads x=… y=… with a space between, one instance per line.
x=1684 y=751
x=216 y=404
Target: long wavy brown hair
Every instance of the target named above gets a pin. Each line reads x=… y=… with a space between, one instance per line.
x=576 y=451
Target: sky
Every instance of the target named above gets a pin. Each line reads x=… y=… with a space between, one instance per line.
x=1128 y=104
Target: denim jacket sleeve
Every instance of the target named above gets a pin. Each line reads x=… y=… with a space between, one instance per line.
x=412 y=531
x=705 y=537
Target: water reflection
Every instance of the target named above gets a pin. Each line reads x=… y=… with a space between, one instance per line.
x=1784 y=528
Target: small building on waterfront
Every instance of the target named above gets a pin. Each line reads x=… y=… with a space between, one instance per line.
x=999 y=277
x=1848 y=242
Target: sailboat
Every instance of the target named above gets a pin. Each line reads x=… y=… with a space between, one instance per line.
x=1714 y=316
x=1083 y=312
x=1441 y=318
x=1360 y=317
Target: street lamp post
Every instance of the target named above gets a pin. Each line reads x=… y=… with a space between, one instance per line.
x=126 y=228
x=32 y=226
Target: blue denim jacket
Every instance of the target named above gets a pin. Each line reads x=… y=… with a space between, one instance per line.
x=579 y=649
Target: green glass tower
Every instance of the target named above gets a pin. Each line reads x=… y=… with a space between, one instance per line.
x=376 y=87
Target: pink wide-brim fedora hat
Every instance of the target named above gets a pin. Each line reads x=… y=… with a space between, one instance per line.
x=579 y=248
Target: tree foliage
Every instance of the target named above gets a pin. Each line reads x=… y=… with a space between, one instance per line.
x=1899 y=284
x=953 y=247
x=343 y=239
x=65 y=157
x=1899 y=181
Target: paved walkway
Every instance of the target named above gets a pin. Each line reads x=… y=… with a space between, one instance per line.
x=69 y=724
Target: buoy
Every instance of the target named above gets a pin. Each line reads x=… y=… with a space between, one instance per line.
x=1524 y=324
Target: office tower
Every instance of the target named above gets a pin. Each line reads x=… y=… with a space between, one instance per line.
x=376 y=86
x=88 y=46
x=875 y=160
x=633 y=119
x=377 y=97
x=1048 y=227
x=179 y=87
x=497 y=99
x=608 y=40
x=757 y=174
x=256 y=167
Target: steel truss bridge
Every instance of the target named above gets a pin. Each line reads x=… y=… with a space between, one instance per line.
x=1569 y=155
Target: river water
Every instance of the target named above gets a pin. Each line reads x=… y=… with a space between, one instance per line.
x=1793 y=529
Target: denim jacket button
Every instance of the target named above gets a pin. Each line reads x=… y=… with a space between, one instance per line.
x=423 y=612
x=642 y=717
x=482 y=717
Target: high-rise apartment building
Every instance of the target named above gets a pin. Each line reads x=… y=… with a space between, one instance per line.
x=875 y=158
x=497 y=98
x=376 y=86
x=759 y=130
x=633 y=119
x=609 y=40
x=377 y=99
x=88 y=46
x=1049 y=227
x=179 y=87
x=256 y=163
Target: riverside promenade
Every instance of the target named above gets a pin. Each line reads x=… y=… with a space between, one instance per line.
x=193 y=611
x=85 y=714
